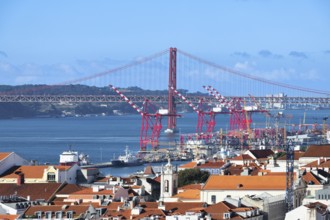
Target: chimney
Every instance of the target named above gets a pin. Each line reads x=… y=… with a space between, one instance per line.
x=318 y=161
x=95 y=188
x=20 y=178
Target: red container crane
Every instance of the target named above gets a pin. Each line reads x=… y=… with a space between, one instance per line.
x=151 y=122
x=201 y=121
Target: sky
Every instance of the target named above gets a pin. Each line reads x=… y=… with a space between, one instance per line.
x=47 y=41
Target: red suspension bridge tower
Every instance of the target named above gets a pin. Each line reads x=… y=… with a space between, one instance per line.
x=171 y=123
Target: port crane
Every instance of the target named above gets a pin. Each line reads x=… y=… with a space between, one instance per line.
x=201 y=121
x=237 y=117
x=151 y=122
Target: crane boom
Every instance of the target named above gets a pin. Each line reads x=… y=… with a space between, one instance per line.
x=151 y=123
x=127 y=100
x=185 y=99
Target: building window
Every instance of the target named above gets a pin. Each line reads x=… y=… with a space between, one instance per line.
x=48 y=215
x=213 y=199
x=69 y=214
x=166 y=185
x=226 y=215
x=51 y=177
x=38 y=215
x=58 y=215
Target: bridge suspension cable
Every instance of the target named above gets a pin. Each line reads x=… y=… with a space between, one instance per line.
x=253 y=77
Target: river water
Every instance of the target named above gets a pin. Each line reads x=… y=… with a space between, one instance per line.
x=103 y=138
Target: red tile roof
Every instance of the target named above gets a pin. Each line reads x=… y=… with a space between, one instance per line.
x=191 y=186
x=34 y=190
x=193 y=194
x=309 y=178
x=242 y=157
x=157 y=179
x=70 y=188
x=216 y=164
x=8 y=217
x=267 y=182
x=318 y=151
x=29 y=171
x=89 y=191
x=149 y=171
x=220 y=207
x=3 y=155
x=102 y=180
x=191 y=164
x=153 y=205
x=124 y=214
x=182 y=207
x=150 y=212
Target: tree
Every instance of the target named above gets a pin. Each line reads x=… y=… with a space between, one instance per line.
x=190 y=176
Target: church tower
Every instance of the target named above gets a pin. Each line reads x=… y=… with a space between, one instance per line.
x=168 y=182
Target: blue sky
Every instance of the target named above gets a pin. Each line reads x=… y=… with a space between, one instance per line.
x=278 y=39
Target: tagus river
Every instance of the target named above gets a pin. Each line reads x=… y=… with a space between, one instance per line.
x=103 y=138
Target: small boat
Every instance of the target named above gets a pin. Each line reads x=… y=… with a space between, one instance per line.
x=126 y=160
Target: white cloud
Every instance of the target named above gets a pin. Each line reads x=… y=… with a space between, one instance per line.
x=245 y=66
x=280 y=74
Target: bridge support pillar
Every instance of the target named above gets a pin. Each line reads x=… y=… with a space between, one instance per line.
x=171 y=123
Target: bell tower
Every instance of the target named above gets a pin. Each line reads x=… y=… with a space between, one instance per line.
x=168 y=182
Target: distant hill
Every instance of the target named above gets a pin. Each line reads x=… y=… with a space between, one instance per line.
x=27 y=110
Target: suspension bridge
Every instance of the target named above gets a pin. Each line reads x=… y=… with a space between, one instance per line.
x=182 y=71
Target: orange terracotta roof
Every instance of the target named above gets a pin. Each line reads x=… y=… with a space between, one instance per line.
x=318 y=151
x=182 y=207
x=29 y=171
x=3 y=155
x=150 y=212
x=89 y=191
x=267 y=182
x=157 y=179
x=114 y=205
x=220 y=207
x=124 y=214
x=77 y=197
x=189 y=194
x=34 y=190
x=149 y=171
x=102 y=180
x=242 y=157
x=191 y=186
x=216 y=164
x=235 y=169
x=191 y=164
x=269 y=173
x=308 y=177
x=70 y=188
x=153 y=205
x=8 y=217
